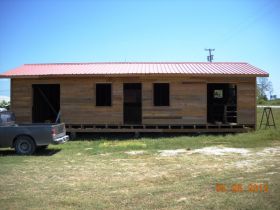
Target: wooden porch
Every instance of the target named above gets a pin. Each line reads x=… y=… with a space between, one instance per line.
x=195 y=128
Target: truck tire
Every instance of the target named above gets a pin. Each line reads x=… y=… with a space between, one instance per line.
x=24 y=145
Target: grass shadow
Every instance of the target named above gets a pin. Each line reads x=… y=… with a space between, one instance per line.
x=40 y=152
x=131 y=136
x=124 y=136
x=46 y=152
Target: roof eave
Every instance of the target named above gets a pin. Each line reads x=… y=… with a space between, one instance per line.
x=128 y=75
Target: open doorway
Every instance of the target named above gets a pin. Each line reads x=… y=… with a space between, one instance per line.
x=221 y=103
x=46 y=103
x=132 y=103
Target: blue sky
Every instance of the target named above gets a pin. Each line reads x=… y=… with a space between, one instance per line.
x=34 y=31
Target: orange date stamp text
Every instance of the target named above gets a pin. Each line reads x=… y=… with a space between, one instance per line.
x=237 y=187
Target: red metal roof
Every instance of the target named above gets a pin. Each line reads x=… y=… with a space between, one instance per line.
x=136 y=68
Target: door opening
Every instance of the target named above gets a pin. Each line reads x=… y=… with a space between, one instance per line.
x=46 y=103
x=221 y=103
x=132 y=103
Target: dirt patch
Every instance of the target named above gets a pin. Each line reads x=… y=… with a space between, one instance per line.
x=139 y=152
x=170 y=153
x=181 y=199
x=247 y=163
x=265 y=158
x=269 y=151
x=205 y=151
x=221 y=151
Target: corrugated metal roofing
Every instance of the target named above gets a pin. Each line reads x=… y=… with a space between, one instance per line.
x=136 y=68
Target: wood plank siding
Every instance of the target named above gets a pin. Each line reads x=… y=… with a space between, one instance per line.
x=188 y=99
x=246 y=103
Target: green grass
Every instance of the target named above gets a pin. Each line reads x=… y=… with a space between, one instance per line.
x=99 y=174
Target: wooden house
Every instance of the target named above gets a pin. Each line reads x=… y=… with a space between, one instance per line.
x=137 y=96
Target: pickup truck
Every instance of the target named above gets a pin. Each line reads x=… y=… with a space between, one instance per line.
x=26 y=138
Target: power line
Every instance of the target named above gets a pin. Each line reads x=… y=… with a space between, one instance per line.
x=265 y=10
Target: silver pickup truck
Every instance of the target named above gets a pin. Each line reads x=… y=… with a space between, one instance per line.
x=26 y=138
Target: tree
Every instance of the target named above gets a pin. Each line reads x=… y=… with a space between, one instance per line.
x=4 y=104
x=270 y=92
x=263 y=85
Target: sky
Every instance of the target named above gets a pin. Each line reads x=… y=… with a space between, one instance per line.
x=50 y=31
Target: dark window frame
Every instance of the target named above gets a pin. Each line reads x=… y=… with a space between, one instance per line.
x=161 y=98
x=105 y=102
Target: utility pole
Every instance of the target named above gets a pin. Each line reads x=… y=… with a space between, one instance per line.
x=210 y=56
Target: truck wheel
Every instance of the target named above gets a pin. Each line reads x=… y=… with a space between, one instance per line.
x=24 y=145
